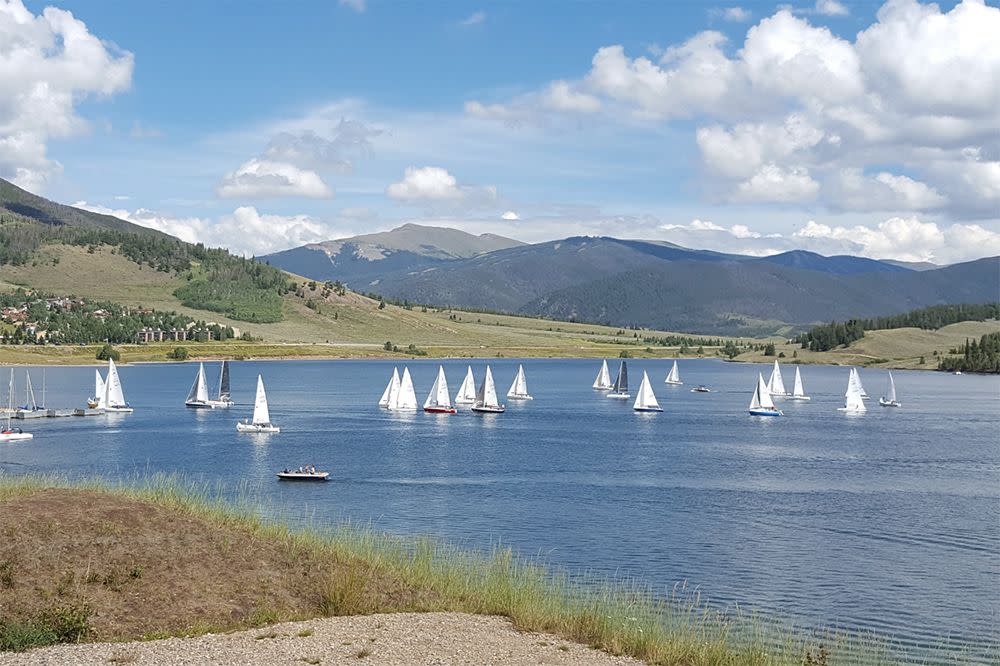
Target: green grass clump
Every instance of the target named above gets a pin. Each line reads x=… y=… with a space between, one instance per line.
x=59 y=624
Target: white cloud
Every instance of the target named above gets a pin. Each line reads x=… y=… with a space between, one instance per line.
x=851 y=189
x=510 y=216
x=349 y=141
x=357 y=5
x=245 y=231
x=476 y=18
x=775 y=183
x=831 y=8
x=561 y=97
x=48 y=64
x=264 y=179
x=435 y=187
x=732 y=14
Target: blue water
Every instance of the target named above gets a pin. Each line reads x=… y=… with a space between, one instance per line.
x=888 y=521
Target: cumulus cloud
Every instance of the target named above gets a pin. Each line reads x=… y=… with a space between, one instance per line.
x=245 y=231
x=48 y=64
x=887 y=120
x=434 y=187
x=562 y=97
x=510 y=216
x=257 y=179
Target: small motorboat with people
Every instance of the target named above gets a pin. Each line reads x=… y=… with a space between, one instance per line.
x=486 y=396
x=674 y=376
x=438 y=400
x=519 y=387
x=603 y=381
x=303 y=473
x=645 y=400
x=761 y=403
x=701 y=388
x=889 y=399
x=261 y=420
x=619 y=389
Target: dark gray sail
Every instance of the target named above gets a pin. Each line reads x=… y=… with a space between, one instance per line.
x=621 y=381
x=224 y=382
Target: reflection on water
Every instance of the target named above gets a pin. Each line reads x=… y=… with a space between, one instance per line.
x=888 y=520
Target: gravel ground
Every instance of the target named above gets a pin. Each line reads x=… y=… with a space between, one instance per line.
x=376 y=640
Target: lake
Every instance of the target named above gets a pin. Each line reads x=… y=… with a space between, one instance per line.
x=888 y=521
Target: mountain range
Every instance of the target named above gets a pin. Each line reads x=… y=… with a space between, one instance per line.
x=635 y=282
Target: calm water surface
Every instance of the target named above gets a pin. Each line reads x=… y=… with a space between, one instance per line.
x=887 y=521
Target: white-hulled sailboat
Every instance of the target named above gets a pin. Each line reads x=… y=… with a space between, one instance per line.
x=438 y=401
x=645 y=399
x=486 y=396
x=853 y=402
x=467 y=391
x=620 y=388
x=603 y=381
x=861 y=387
x=391 y=392
x=198 y=395
x=519 y=387
x=224 y=398
x=889 y=399
x=114 y=396
x=95 y=402
x=30 y=409
x=776 y=385
x=674 y=376
x=798 y=393
x=761 y=403
x=261 y=420
x=405 y=399
x=11 y=434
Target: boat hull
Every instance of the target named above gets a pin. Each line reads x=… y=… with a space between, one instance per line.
x=256 y=427
x=802 y=398
x=889 y=403
x=519 y=397
x=464 y=402
x=15 y=436
x=765 y=412
x=848 y=410
x=674 y=383
x=119 y=409
x=619 y=396
x=490 y=410
x=440 y=410
x=647 y=409
x=293 y=476
x=92 y=404
x=700 y=390
x=197 y=404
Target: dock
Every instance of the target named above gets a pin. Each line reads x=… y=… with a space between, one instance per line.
x=54 y=413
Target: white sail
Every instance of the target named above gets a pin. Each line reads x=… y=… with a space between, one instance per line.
x=519 y=387
x=29 y=393
x=853 y=402
x=603 y=381
x=761 y=395
x=798 y=391
x=645 y=400
x=100 y=396
x=890 y=389
x=199 y=390
x=261 y=414
x=486 y=396
x=776 y=386
x=114 y=396
x=861 y=387
x=674 y=376
x=10 y=398
x=438 y=397
x=391 y=390
x=405 y=398
x=467 y=391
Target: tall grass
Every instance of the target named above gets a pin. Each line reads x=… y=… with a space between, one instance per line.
x=622 y=616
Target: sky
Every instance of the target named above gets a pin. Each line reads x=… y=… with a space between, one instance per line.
x=833 y=126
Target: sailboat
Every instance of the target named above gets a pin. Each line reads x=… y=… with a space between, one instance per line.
x=198 y=395
x=224 y=398
x=95 y=402
x=861 y=387
x=391 y=390
x=761 y=403
x=261 y=421
x=438 y=401
x=486 y=396
x=776 y=385
x=674 y=376
x=10 y=434
x=645 y=400
x=603 y=381
x=853 y=402
x=114 y=396
x=519 y=387
x=620 y=388
x=30 y=409
x=798 y=393
x=467 y=391
x=403 y=398
x=889 y=399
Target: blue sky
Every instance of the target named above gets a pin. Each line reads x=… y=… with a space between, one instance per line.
x=752 y=127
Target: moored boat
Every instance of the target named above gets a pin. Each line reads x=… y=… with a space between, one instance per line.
x=9 y=433
x=98 y=398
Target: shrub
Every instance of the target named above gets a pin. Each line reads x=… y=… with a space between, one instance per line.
x=178 y=354
x=107 y=352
